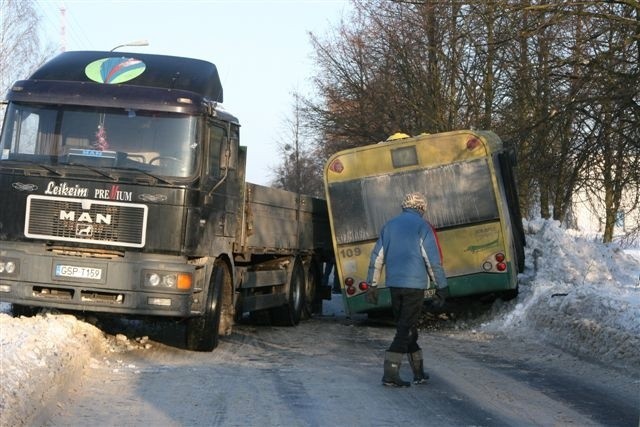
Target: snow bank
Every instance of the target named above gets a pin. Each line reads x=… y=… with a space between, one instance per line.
x=38 y=356
x=575 y=293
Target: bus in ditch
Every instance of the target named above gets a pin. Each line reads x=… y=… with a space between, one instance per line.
x=468 y=179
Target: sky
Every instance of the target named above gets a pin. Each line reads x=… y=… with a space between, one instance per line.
x=576 y=293
x=261 y=48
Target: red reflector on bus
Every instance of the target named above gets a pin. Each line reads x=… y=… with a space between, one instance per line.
x=501 y=266
x=472 y=144
x=336 y=166
x=351 y=290
x=349 y=281
x=499 y=257
x=363 y=286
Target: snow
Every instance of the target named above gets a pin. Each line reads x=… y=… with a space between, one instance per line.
x=576 y=294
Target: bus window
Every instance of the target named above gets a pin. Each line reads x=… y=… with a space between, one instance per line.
x=457 y=194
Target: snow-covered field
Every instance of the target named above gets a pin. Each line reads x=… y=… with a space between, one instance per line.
x=576 y=294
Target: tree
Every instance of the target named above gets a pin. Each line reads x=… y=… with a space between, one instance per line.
x=557 y=79
x=300 y=169
x=21 y=50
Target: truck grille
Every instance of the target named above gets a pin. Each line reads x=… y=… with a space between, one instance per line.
x=87 y=221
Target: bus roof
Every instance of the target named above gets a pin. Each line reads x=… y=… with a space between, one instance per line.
x=424 y=150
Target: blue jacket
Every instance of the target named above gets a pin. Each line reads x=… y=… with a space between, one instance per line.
x=408 y=249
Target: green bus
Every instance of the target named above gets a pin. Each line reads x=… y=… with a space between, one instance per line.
x=468 y=179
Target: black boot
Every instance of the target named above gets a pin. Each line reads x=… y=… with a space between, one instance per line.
x=391 y=376
x=417 y=366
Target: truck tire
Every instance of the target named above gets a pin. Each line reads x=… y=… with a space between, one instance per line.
x=290 y=313
x=24 y=310
x=202 y=331
x=312 y=283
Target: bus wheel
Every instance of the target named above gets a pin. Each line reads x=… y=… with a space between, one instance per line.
x=290 y=313
x=510 y=294
x=202 y=331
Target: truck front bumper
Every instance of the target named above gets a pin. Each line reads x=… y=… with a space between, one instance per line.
x=32 y=275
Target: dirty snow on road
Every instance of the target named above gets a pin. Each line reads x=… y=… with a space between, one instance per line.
x=575 y=293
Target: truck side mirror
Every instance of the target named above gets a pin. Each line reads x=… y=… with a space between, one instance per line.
x=229 y=154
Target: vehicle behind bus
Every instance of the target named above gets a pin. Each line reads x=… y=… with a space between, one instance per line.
x=468 y=180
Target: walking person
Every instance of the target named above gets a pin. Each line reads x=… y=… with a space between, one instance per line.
x=409 y=251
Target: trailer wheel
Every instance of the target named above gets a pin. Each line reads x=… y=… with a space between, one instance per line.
x=290 y=313
x=202 y=331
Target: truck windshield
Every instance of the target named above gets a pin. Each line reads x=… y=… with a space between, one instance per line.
x=164 y=144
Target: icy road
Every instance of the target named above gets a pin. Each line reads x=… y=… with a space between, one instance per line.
x=564 y=353
x=327 y=371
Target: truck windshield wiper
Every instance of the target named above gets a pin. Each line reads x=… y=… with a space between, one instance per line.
x=40 y=165
x=48 y=168
x=96 y=170
x=152 y=175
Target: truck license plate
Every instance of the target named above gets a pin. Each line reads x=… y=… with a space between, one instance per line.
x=78 y=272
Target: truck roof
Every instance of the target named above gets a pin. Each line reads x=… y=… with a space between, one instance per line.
x=160 y=71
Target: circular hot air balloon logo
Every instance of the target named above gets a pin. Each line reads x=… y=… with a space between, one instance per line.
x=114 y=70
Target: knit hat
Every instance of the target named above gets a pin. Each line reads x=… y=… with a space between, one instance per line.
x=415 y=201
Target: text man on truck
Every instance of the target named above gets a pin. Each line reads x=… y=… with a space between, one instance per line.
x=123 y=191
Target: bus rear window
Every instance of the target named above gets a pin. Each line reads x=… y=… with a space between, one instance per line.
x=405 y=156
x=457 y=194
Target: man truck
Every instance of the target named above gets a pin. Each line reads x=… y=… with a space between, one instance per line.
x=122 y=184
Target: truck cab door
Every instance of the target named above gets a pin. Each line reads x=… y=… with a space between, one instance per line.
x=224 y=180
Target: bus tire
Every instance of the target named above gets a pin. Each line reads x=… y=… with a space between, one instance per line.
x=290 y=313
x=510 y=294
x=202 y=332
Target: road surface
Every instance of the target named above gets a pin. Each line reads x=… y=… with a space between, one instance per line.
x=327 y=372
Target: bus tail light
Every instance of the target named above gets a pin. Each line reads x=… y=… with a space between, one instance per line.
x=496 y=263
x=336 y=166
x=363 y=286
x=473 y=143
x=349 y=282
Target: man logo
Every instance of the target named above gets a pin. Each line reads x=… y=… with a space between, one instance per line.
x=85 y=217
x=84 y=230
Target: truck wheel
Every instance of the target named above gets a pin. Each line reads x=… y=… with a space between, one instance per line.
x=290 y=313
x=24 y=310
x=312 y=282
x=202 y=331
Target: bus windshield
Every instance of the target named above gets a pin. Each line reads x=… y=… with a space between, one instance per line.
x=457 y=194
x=164 y=144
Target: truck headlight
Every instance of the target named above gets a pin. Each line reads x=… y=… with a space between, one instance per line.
x=152 y=279
x=9 y=266
x=168 y=280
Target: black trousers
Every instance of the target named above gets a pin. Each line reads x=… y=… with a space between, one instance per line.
x=407 y=307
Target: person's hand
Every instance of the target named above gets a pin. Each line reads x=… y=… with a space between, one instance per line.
x=372 y=295
x=440 y=297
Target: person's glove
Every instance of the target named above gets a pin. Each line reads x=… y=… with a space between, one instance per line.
x=440 y=297
x=372 y=295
